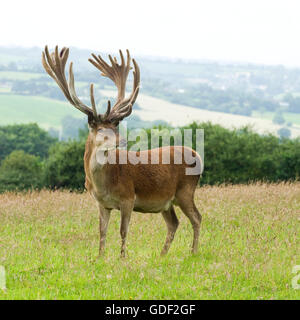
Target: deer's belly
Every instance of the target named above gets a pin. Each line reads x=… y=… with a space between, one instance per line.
x=140 y=204
x=106 y=200
x=151 y=206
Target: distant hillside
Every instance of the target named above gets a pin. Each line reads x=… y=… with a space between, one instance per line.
x=268 y=92
x=25 y=109
x=180 y=115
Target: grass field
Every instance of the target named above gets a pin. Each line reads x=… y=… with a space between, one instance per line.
x=27 y=109
x=288 y=116
x=49 y=112
x=249 y=245
x=152 y=109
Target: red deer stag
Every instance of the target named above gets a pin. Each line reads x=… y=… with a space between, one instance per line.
x=140 y=187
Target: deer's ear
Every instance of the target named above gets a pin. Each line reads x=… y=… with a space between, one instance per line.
x=116 y=123
x=92 y=122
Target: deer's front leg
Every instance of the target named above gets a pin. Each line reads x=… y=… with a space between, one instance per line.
x=126 y=210
x=104 y=215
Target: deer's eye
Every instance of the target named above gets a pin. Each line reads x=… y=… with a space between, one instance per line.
x=100 y=130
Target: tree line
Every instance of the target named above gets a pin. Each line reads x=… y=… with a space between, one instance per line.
x=31 y=159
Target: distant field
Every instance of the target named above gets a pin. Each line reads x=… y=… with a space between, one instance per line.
x=49 y=112
x=288 y=116
x=24 y=109
x=7 y=58
x=78 y=84
x=249 y=244
x=4 y=90
x=17 y=75
x=281 y=95
x=152 y=109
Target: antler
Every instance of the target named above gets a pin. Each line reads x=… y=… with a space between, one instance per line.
x=118 y=73
x=54 y=64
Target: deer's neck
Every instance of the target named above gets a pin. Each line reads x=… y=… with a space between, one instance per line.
x=96 y=169
x=90 y=163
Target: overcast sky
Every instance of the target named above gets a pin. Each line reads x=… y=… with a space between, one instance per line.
x=263 y=31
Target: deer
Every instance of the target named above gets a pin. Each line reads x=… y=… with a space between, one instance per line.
x=127 y=187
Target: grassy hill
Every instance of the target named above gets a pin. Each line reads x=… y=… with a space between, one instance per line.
x=49 y=113
x=230 y=94
x=179 y=115
x=288 y=116
x=25 y=109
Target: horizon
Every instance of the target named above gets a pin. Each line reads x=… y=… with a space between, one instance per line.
x=249 y=32
x=174 y=59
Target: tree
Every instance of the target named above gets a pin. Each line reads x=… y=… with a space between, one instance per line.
x=64 y=167
x=71 y=126
x=278 y=118
x=53 y=132
x=20 y=171
x=27 y=137
x=284 y=132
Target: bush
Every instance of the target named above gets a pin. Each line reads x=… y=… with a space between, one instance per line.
x=231 y=156
x=27 y=137
x=64 y=166
x=284 y=132
x=242 y=156
x=278 y=118
x=20 y=171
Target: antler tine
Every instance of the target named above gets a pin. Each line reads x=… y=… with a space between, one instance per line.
x=56 y=74
x=101 y=65
x=135 y=88
x=124 y=108
x=118 y=73
x=122 y=58
x=49 y=65
x=77 y=103
x=54 y=64
x=136 y=81
x=93 y=100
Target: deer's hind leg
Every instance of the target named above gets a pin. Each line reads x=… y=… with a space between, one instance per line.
x=172 y=225
x=185 y=199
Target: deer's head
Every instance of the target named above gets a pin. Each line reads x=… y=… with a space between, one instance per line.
x=103 y=127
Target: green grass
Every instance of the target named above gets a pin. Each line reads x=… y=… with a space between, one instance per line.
x=27 y=109
x=288 y=116
x=249 y=244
